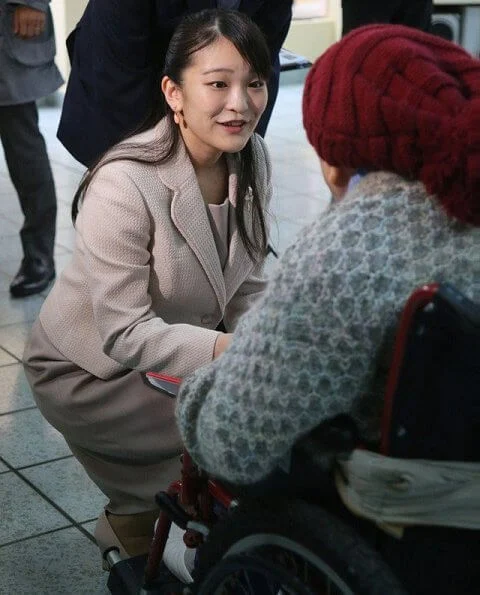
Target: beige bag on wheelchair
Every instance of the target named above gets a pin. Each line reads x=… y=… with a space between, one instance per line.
x=400 y=492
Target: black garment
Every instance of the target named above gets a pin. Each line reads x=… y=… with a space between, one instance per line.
x=413 y=13
x=31 y=175
x=34 y=275
x=117 y=51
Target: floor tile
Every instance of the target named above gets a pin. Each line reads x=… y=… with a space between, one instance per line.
x=7 y=227
x=60 y=261
x=90 y=527
x=283 y=233
x=6 y=186
x=17 y=310
x=15 y=393
x=24 y=513
x=11 y=248
x=66 y=483
x=298 y=208
x=310 y=184
x=10 y=209
x=62 y=563
x=5 y=281
x=3 y=468
x=26 y=438
x=66 y=237
x=64 y=217
x=6 y=359
x=65 y=176
x=60 y=156
x=296 y=154
x=14 y=336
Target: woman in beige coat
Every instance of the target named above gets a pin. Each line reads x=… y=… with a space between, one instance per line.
x=170 y=243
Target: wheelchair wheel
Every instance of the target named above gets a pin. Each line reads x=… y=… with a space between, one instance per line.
x=289 y=548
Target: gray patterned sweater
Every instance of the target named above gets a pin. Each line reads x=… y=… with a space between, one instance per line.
x=318 y=342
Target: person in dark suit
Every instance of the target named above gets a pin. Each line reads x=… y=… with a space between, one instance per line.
x=117 y=51
x=27 y=73
x=412 y=13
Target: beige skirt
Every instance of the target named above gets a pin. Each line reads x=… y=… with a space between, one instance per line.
x=121 y=430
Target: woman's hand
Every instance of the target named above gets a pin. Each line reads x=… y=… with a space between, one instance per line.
x=28 y=22
x=222 y=342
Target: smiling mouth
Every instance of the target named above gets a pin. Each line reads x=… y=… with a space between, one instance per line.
x=234 y=124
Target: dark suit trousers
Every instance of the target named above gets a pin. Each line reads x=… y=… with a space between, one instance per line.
x=31 y=175
x=413 y=13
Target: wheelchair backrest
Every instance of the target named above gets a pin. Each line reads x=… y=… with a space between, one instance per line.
x=432 y=405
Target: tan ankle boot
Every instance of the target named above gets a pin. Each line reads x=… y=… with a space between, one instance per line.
x=130 y=533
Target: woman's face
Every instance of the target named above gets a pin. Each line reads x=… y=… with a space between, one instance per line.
x=220 y=100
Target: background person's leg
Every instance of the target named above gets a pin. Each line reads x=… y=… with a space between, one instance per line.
x=416 y=13
x=272 y=96
x=30 y=172
x=356 y=14
x=412 y=13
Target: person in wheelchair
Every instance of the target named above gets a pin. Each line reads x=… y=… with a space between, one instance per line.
x=394 y=115
x=171 y=241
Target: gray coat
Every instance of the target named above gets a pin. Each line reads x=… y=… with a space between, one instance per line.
x=27 y=68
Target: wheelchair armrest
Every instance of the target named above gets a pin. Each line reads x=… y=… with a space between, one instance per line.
x=169 y=385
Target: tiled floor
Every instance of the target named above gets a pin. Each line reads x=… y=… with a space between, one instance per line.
x=48 y=505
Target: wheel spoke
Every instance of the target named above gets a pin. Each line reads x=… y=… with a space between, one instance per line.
x=247 y=581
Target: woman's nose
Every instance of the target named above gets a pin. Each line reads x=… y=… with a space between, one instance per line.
x=238 y=100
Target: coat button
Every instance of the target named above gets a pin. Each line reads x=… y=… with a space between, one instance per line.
x=207 y=319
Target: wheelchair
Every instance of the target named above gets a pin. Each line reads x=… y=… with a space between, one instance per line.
x=321 y=527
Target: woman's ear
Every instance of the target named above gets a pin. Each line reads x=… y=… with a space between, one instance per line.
x=173 y=94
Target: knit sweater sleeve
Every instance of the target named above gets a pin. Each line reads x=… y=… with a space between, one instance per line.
x=319 y=342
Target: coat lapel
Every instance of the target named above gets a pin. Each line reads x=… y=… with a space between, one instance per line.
x=189 y=215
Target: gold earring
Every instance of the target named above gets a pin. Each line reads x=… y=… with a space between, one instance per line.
x=183 y=121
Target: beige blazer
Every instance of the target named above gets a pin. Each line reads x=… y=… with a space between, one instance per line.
x=145 y=289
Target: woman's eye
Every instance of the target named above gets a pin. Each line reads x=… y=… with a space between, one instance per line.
x=218 y=84
x=257 y=84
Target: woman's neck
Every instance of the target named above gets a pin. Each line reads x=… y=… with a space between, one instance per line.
x=213 y=181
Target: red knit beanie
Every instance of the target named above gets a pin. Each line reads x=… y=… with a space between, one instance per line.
x=388 y=97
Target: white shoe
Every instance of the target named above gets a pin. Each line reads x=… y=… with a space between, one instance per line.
x=179 y=558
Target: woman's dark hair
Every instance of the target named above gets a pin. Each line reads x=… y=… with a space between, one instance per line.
x=195 y=32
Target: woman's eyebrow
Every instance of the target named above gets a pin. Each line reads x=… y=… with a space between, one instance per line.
x=220 y=69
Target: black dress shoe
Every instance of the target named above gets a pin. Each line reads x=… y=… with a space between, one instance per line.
x=32 y=277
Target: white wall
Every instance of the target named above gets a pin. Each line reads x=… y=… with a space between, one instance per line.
x=66 y=14
x=311 y=37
